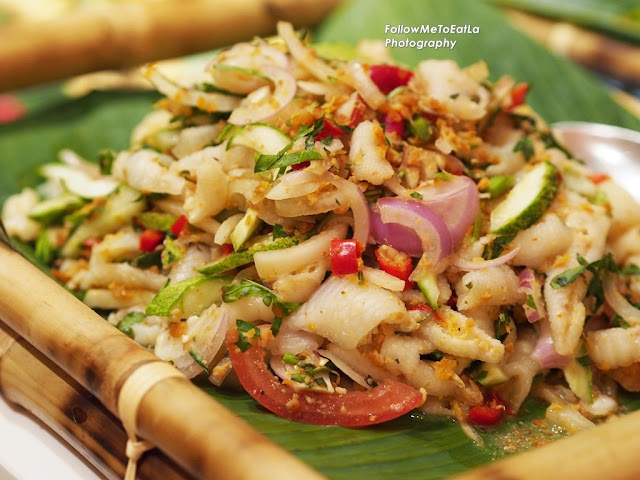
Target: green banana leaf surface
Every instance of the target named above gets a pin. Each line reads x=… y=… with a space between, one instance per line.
x=415 y=446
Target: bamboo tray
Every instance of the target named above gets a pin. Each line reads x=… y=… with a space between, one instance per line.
x=83 y=371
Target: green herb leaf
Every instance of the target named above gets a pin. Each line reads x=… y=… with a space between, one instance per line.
x=105 y=160
x=246 y=333
x=495 y=248
x=269 y=162
x=416 y=195
x=525 y=145
x=130 y=319
x=199 y=360
x=172 y=252
x=245 y=288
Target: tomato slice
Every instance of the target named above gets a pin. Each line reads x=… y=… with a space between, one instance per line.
x=388 y=400
x=485 y=416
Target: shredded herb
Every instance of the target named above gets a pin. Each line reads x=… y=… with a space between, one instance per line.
x=105 y=160
x=275 y=325
x=279 y=160
x=244 y=288
x=246 y=332
x=504 y=325
x=495 y=248
x=443 y=176
x=148 y=259
x=525 y=145
x=417 y=195
x=199 y=360
x=598 y=268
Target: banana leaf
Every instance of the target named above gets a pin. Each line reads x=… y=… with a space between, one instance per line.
x=619 y=19
x=415 y=446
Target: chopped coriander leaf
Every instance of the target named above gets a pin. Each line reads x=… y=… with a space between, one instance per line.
x=246 y=332
x=525 y=145
x=632 y=269
x=244 y=288
x=504 y=325
x=279 y=232
x=417 y=195
x=199 y=360
x=619 y=322
x=275 y=326
x=269 y=162
x=495 y=248
x=105 y=160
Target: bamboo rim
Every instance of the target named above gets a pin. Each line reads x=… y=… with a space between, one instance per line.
x=123 y=35
x=101 y=359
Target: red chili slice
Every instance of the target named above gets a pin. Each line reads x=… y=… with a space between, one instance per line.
x=179 y=225
x=395 y=263
x=344 y=256
x=329 y=129
x=389 y=400
x=519 y=94
x=150 y=239
x=388 y=77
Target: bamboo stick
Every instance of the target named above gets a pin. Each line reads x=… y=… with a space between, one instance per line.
x=596 y=51
x=30 y=380
x=128 y=34
x=608 y=451
x=190 y=427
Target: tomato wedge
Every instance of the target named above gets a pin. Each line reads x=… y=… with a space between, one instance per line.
x=389 y=400
x=388 y=77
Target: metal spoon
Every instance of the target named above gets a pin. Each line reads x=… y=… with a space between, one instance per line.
x=605 y=148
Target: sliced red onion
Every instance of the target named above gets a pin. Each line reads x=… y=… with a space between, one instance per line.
x=528 y=286
x=368 y=90
x=435 y=239
x=456 y=201
x=469 y=265
x=399 y=237
x=278 y=367
x=358 y=204
x=231 y=69
x=396 y=187
x=258 y=106
x=545 y=352
x=208 y=101
x=618 y=303
x=344 y=368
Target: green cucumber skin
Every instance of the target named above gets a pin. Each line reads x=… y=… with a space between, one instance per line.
x=245 y=257
x=536 y=208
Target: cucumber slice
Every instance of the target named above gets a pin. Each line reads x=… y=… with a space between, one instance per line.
x=244 y=257
x=578 y=376
x=261 y=137
x=79 y=182
x=527 y=201
x=428 y=285
x=119 y=210
x=54 y=208
x=490 y=374
x=245 y=228
x=190 y=296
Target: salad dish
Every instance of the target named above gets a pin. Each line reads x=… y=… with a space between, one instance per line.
x=351 y=240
